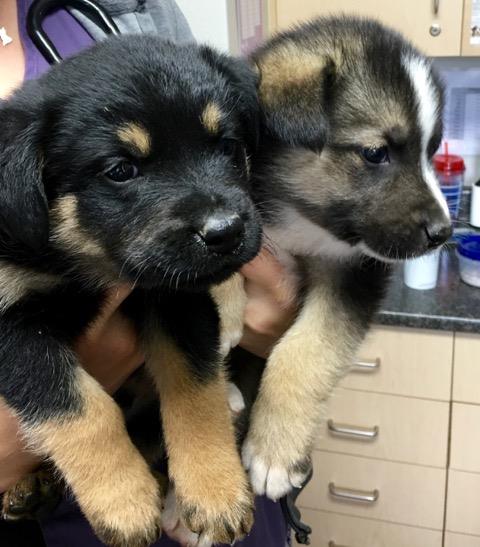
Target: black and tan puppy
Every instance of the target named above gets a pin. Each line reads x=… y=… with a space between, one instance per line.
x=344 y=182
x=127 y=163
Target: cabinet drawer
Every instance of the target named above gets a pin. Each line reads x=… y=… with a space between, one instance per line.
x=463 y=503
x=346 y=531
x=466 y=378
x=413 y=19
x=411 y=362
x=468 y=49
x=461 y=540
x=408 y=494
x=409 y=430
x=465 y=443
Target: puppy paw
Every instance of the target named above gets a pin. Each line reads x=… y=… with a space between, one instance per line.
x=236 y=402
x=273 y=473
x=34 y=496
x=218 y=525
x=125 y=517
x=20 y=501
x=218 y=518
x=231 y=301
x=174 y=527
x=229 y=339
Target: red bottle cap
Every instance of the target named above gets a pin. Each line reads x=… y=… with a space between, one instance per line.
x=450 y=163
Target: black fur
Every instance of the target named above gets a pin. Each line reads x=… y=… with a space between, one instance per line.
x=363 y=85
x=68 y=231
x=58 y=138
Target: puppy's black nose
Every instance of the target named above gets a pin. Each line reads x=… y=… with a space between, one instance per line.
x=438 y=233
x=222 y=233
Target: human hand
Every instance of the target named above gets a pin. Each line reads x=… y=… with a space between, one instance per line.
x=15 y=460
x=109 y=350
x=272 y=303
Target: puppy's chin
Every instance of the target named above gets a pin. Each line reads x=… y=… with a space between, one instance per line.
x=393 y=254
x=176 y=279
x=189 y=275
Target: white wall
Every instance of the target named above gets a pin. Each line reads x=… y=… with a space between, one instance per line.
x=208 y=21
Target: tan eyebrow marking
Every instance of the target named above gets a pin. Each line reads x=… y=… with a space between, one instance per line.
x=137 y=136
x=211 y=118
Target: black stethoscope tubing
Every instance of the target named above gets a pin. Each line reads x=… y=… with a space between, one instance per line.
x=41 y=8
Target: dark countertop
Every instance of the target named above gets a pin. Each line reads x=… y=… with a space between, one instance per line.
x=452 y=305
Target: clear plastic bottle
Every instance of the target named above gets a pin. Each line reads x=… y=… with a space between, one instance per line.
x=450 y=171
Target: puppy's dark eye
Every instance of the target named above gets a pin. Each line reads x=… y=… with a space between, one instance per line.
x=374 y=154
x=228 y=146
x=123 y=171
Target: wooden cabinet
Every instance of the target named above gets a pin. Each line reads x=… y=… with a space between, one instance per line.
x=408 y=362
x=461 y=540
x=402 y=435
x=470 y=47
x=463 y=504
x=437 y=27
x=466 y=378
x=335 y=530
x=465 y=438
x=380 y=426
x=399 y=493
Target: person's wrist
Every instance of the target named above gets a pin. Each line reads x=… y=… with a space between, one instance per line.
x=15 y=459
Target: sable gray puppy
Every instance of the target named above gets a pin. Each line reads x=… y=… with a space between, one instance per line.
x=344 y=182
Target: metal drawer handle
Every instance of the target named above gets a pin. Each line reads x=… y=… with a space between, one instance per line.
x=366 y=433
x=333 y=544
x=353 y=495
x=366 y=366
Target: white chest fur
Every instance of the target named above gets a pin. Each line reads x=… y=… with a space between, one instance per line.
x=296 y=235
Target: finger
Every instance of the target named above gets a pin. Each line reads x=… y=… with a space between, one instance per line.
x=263 y=269
x=113 y=300
x=266 y=278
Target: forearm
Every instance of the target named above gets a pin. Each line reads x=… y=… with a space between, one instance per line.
x=15 y=459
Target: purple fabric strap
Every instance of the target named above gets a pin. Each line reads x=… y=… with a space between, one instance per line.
x=66 y=33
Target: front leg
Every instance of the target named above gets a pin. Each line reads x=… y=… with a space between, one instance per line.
x=66 y=417
x=301 y=372
x=231 y=300
x=211 y=487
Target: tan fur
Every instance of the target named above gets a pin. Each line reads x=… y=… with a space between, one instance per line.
x=69 y=235
x=17 y=281
x=66 y=229
x=231 y=300
x=301 y=372
x=204 y=464
x=211 y=118
x=108 y=476
x=285 y=68
x=135 y=135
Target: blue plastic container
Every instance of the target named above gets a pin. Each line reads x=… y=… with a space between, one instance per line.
x=468 y=252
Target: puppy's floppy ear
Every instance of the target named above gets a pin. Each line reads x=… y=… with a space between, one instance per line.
x=294 y=88
x=23 y=204
x=243 y=81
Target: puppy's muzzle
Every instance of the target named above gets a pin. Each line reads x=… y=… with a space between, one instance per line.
x=222 y=232
x=438 y=232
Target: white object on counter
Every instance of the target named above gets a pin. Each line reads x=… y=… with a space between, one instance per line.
x=469 y=270
x=475 y=205
x=422 y=273
x=468 y=252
